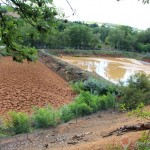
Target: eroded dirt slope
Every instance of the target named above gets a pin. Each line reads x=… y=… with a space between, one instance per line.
x=23 y=85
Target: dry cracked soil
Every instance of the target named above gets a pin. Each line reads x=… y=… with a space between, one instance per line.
x=24 y=85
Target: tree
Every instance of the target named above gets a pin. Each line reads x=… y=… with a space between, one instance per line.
x=80 y=36
x=40 y=14
x=115 y=37
x=104 y=32
x=122 y=38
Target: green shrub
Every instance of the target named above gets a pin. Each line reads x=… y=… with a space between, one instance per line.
x=45 y=117
x=98 y=86
x=99 y=46
x=144 y=142
x=80 y=109
x=3 y=130
x=66 y=113
x=88 y=99
x=77 y=86
x=18 y=122
x=140 y=112
x=87 y=103
x=136 y=91
x=143 y=47
x=102 y=104
x=132 y=97
x=107 y=101
x=139 y=81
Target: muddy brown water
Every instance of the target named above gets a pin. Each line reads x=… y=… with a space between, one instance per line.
x=112 y=69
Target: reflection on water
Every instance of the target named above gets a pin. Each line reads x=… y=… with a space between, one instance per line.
x=113 y=69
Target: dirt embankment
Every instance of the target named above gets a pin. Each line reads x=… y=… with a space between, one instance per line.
x=24 y=85
x=146 y=60
x=65 y=70
x=100 y=53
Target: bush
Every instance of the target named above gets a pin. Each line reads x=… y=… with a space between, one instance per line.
x=143 y=47
x=45 y=117
x=99 y=46
x=89 y=99
x=18 y=122
x=77 y=86
x=87 y=103
x=66 y=113
x=80 y=109
x=98 y=86
x=106 y=101
x=144 y=142
x=136 y=91
x=140 y=112
x=102 y=104
x=139 y=81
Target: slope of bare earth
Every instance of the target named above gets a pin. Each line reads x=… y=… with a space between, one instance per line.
x=24 y=85
x=86 y=134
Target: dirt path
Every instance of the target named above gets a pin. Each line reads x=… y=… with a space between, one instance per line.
x=25 y=85
x=85 y=135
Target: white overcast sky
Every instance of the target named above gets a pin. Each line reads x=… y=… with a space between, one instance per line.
x=125 y=12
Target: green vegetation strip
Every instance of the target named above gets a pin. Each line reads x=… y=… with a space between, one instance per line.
x=93 y=95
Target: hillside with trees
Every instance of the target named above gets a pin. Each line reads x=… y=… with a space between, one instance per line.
x=83 y=36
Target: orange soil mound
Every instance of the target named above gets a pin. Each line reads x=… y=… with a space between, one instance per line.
x=24 y=85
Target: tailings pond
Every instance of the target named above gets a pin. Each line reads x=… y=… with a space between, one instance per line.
x=113 y=69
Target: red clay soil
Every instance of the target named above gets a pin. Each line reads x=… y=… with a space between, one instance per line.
x=23 y=85
x=146 y=60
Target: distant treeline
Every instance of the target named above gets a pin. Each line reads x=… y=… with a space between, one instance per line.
x=79 y=35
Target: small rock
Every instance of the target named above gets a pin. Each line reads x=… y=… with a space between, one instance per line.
x=88 y=118
x=88 y=133
x=85 y=140
x=73 y=142
x=46 y=145
x=70 y=123
x=53 y=141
